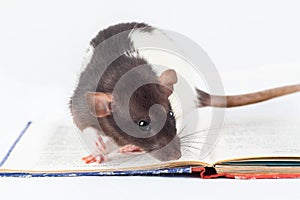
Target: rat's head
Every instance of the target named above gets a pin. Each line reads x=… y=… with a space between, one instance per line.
x=143 y=117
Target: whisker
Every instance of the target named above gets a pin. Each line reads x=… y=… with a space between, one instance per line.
x=180 y=132
x=201 y=131
x=191 y=134
x=189 y=150
x=182 y=129
x=191 y=139
x=199 y=136
x=189 y=144
x=193 y=142
x=191 y=147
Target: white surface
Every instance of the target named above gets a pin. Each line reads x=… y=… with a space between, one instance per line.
x=147 y=188
x=42 y=45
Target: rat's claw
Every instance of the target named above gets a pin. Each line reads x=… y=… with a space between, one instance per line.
x=130 y=148
x=89 y=159
x=94 y=158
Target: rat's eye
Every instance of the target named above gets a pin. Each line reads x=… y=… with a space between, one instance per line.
x=144 y=125
x=171 y=113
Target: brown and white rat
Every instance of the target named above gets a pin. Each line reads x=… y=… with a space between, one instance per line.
x=95 y=105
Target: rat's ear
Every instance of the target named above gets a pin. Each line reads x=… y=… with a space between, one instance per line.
x=98 y=103
x=168 y=78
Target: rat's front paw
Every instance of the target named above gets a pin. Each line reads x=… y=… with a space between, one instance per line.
x=95 y=145
x=130 y=148
x=99 y=154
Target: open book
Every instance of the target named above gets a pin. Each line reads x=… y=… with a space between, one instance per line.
x=256 y=141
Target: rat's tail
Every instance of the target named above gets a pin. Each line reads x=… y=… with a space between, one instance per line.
x=205 y=99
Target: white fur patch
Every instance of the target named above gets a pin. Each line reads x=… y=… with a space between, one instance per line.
x=144 y=40
x=88 y=56
x=85 y=61
x=162 y=50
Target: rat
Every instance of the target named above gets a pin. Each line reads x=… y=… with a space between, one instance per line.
x=96 y=107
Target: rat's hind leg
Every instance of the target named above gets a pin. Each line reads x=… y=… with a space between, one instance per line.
x=98 y=146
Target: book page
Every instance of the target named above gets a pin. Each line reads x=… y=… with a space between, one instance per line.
x=55 y=145
x=269 y=129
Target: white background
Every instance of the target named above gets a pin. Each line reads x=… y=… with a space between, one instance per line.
x=254 y=44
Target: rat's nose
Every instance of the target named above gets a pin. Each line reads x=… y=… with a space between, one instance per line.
x=175 y=155
x=164 y=155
